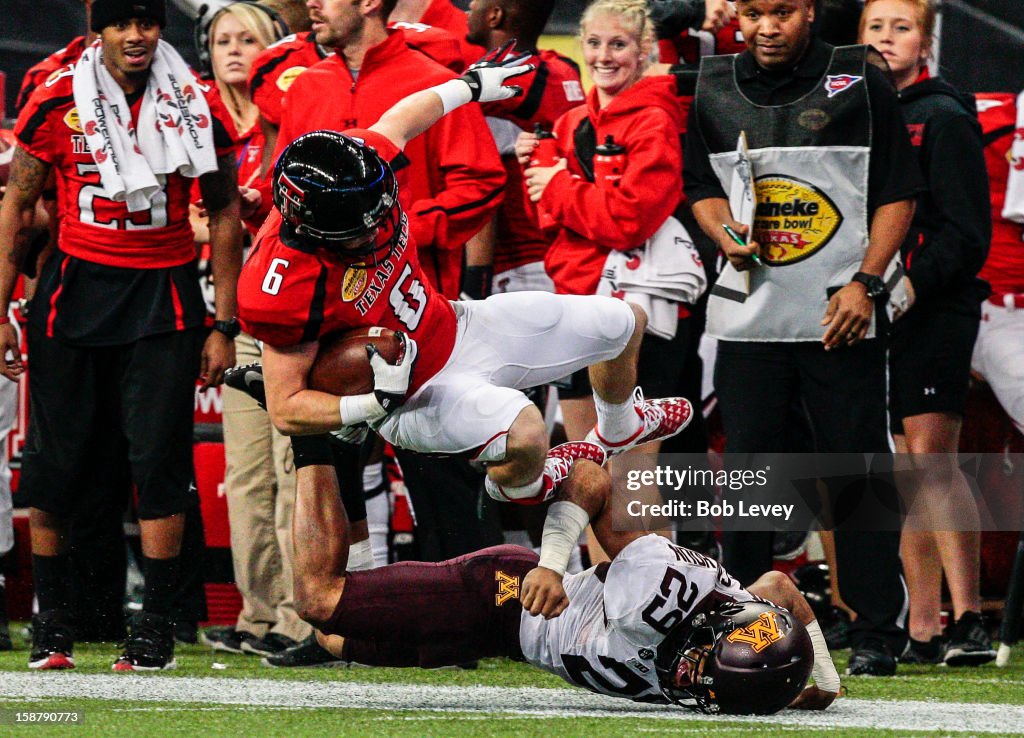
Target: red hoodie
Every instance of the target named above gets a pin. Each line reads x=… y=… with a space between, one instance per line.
x=646 y=119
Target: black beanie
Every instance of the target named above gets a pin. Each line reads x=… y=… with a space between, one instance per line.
x=107 y=12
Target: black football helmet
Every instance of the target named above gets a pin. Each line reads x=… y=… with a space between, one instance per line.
x=333 y=190
x=739 y=658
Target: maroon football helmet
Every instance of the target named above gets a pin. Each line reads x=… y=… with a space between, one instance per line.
x=739 y=658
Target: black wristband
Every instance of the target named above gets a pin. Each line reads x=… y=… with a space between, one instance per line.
x=312 y=451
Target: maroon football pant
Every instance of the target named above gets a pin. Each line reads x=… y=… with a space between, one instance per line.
x=436 y=614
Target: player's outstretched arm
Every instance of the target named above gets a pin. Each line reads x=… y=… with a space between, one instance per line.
x=779 y=588
x=482 y=82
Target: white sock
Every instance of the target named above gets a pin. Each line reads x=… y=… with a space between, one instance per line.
x=360 y=556
x=377 y=520
x=373 y=475
x=505 y=494
x=616 y=421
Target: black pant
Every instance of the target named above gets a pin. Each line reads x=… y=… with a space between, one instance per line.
x=81 y=396
x=843 y=395
x=453 y=517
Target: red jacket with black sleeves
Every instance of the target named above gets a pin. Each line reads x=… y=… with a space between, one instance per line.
x=594 y=219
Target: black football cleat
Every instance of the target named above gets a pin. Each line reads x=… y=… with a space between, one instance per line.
x=150 y=647
x=268 y=645
x=306 y=653
x=969 y=642
x=924 y=652
x=248 y=379
x=5 y=628
x=873 y=657
x=186 y=632
x=52 y=641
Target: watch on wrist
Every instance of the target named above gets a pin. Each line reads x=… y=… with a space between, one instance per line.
x=229 y=328
x=874 y=283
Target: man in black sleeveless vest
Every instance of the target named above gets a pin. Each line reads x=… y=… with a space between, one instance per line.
x=795 y=309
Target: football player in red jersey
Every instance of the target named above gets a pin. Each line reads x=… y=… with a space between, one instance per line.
x=339 y=232
x=120 y=319
x=455 y=182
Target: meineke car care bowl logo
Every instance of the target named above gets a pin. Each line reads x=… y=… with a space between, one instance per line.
x=353 y=283
x=793 y=220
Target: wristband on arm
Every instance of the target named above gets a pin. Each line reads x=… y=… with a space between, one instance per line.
x=824 y=671
x=562 y=528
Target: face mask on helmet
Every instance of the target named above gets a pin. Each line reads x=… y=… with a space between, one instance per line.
x=336 y=193
x=740 y=658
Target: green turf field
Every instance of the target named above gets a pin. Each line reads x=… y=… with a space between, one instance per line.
x=214 y=694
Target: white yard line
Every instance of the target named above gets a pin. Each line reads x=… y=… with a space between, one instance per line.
x=522 y=701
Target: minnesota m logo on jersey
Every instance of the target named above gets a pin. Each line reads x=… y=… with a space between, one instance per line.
x=508 y=588
x=760 y=634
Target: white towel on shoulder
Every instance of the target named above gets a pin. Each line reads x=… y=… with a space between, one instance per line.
x=174 y=132
x=657 y=276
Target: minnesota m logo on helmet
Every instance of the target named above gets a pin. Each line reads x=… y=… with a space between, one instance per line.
x=760 y=634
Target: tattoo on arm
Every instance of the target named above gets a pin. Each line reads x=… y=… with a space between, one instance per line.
x=27 y=175
x=220 y=188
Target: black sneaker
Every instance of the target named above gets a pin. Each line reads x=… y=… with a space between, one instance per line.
x=186 y=632
x=268 y=645
x=872 y=657
x=835 y=626
x=150 y=647
x=924 y=652
x=224 y=639
x=307 y=653
x=969 y=643
x=52 y=641
x=5 y=629
x=248 y=379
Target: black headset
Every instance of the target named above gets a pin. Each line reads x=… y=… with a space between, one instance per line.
x=201 y=30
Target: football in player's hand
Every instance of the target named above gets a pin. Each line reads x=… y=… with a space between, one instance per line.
x=342 y=366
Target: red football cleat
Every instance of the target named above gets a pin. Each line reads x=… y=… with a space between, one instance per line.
x=560 y=461
x=662 y=419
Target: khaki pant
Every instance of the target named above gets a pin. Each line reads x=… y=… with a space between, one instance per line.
x=260 y=486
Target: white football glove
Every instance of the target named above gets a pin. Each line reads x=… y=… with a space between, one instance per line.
x=391 y=381
x=486 y=78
